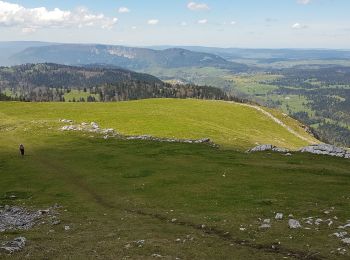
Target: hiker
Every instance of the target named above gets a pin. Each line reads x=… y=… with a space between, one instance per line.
x=21 y=149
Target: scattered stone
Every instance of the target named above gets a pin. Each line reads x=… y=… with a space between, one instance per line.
x=294 y=224
x=341 y=251
x=242 y=229
x=309 y=222
x=66 y=228
x=318 y=221
x=266 y=224
x=279 y=216
x=174 y=220
x=13 y=246
x=156 y=256
x=95 y=125
x=110 y=132
x=66 y=121
x=56 y=222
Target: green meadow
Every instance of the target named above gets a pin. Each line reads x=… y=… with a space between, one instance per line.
x=182 y=201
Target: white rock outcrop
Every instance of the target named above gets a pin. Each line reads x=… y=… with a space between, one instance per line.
x=268 y=147
x=326 y=149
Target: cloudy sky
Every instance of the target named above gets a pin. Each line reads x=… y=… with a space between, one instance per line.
x=222 y=23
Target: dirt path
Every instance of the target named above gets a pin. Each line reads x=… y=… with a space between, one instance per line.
x=276 y=120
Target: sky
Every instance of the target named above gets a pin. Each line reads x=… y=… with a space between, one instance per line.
x=216 y=23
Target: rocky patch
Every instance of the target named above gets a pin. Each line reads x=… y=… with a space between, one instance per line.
x=111 y=133
x=17 y=218
x=15 y=245
x=326 y=149
x=268 y=147
x=322 y=149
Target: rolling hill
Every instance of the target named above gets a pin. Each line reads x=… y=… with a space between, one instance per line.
x=54 y=82
x=231 y=125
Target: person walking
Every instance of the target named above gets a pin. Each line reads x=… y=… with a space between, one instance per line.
x=21 y=149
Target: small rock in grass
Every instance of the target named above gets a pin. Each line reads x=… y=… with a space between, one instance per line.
x=56 y=222
x=309 y=222
x=66 y=228
x=279 y=216
x=340 y=234
x=266 y=224
x=318 y=221
x=157 y=256
x=174 y=220
x=294 y=224
x=346 y=241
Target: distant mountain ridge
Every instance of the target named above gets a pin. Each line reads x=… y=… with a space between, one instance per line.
x=122 y=56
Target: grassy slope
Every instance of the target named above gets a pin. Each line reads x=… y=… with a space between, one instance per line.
x=116 y=192
x=227 y=124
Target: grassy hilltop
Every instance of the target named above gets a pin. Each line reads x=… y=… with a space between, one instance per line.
x=230 y=125
x=187 y=201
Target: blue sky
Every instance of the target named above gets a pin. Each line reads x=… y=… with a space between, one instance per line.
x=222 y=23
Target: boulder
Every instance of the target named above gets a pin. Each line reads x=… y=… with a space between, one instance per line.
x=294 y=224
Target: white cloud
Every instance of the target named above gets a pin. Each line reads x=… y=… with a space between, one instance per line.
x=123 y=10
x=304 y=2
x=233 y=22
x=133 y=27
x=197 y=6
x=183 y=24
x=298 y=26
x=153 y=22
x=31 y=19
x=203 y=21
x=28 y=30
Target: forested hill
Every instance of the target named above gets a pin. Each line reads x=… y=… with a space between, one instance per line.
x=53 y=82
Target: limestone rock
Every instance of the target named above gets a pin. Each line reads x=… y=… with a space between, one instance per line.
x=268 y=147
x=326 y=149
x=294 y=224
x=279 y=216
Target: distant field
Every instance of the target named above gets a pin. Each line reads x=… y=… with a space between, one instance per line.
x=76 y=95
x=182 y=201
x=227 y=124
